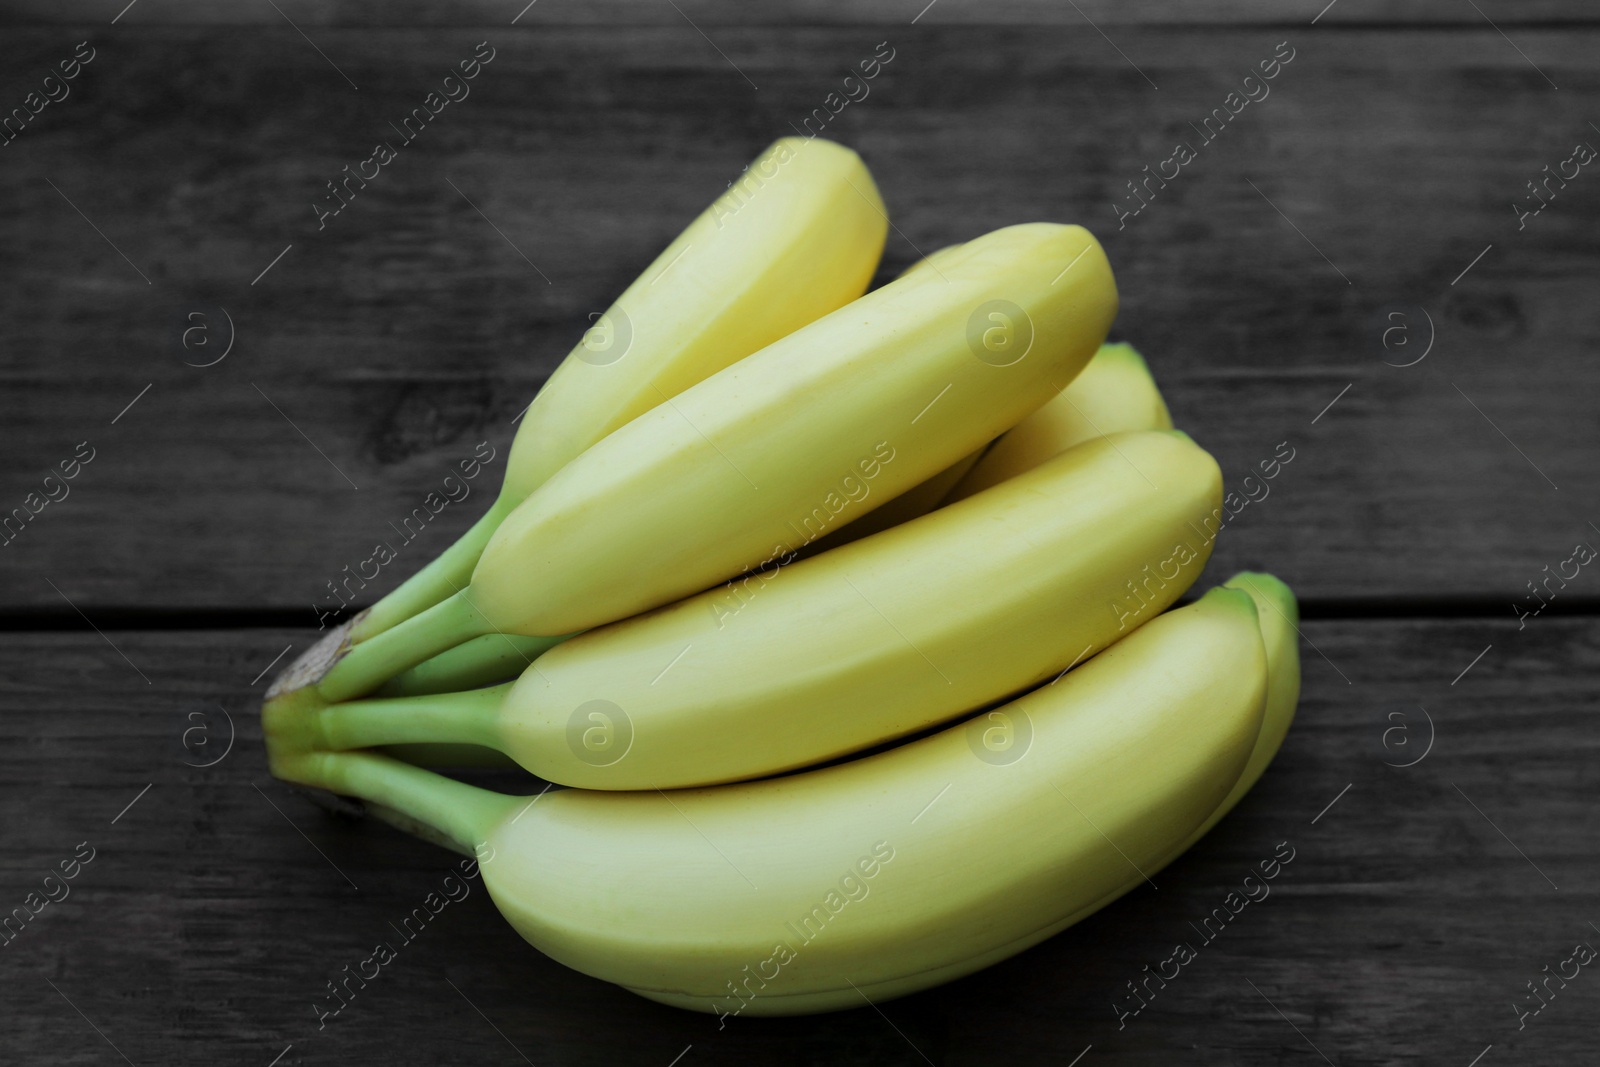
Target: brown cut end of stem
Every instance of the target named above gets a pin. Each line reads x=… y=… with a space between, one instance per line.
x=310 y=666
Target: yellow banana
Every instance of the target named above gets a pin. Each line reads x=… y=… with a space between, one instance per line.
x=919 y=499
x=873 y=878
x=1277 y=615
x=935 y=259
x=860 y=645
x=798 y=236
x=807 y=434
x=1115 y=392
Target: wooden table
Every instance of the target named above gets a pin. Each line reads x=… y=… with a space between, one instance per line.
x=1284 y=288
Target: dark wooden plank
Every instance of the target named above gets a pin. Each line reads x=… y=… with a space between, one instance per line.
x=377 y=352
x=1401 y=932
x=721 y=13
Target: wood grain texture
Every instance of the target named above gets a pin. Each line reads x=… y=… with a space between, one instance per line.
x=378 y=351
x=714 y=14
x=1400 y=933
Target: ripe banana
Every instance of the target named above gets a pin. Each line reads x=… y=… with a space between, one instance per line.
x=807 y=434
x=919 y=499
x=1115 y=392
x=798 y=236
x=877 y=877
x=1277 y=615
x=935 y=259
x=863 y=644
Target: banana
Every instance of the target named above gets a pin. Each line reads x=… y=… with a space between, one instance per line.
x=807 y=434
x=1279 y=616
x=860 y=645
x=798 y=236
x=877 y=877
x=919 y=499
x=1115 y=392
x=935 y=259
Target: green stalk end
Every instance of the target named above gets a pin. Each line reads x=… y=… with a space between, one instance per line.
x=432 y=806
x=471 y=717
x=366 y=666
x=484 y=660
x=445 y=576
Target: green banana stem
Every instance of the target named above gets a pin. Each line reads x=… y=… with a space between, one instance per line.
x=448 y=574
x=368 y=665
x=452 y=757
x=453 y=717
x=482 y=661
x=463 y=815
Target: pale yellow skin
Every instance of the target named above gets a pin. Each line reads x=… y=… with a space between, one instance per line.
x=861 y=645
x=753 y=450
x=798 y=235
x=1113 y=393
x=935 y=260
x=882 y=637
x=674 y=895
x=918 y=500
x=1279 y=616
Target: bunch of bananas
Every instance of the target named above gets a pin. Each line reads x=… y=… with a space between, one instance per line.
x=842 y=616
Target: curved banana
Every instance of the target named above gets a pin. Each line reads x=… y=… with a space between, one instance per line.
x=805 y=435
x=863 y=644
x=919 y=499
x=495 y=658
x=1277 y=615
x=1115 y=392
x=876 y=877
x=935 y=259
x=797 y=236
